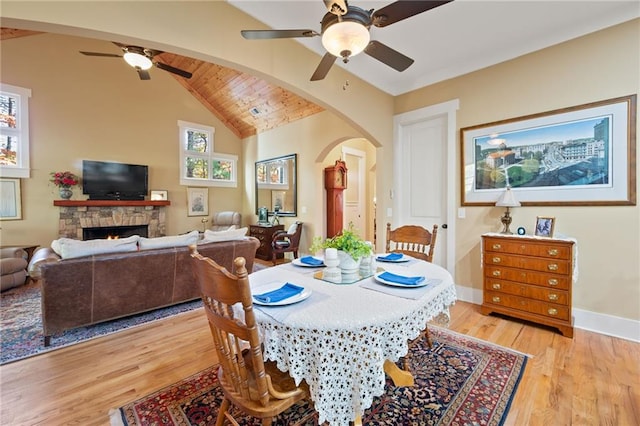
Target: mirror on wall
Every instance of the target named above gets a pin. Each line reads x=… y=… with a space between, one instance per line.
x=276 y=185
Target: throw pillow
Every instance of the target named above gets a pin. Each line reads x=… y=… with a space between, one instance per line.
x=292 y=229
x=228 y=235
x=169 y=241
x=70 y=248
x=55 y=246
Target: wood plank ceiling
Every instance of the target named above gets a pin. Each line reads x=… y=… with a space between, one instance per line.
x=247 y=105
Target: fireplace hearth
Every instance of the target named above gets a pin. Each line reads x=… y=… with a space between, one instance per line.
x=114 y=232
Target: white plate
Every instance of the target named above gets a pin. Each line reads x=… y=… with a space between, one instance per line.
x=404 y=258
x=391 y=283
x=276 y=285
x=298 y=262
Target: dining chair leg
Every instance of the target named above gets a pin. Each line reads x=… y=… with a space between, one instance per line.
x=222 y=414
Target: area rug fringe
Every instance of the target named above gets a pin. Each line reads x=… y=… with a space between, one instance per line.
x=482 y=341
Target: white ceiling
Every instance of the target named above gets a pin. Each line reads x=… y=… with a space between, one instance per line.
x=453 y=39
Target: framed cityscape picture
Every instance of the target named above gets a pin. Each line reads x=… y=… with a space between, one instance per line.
x=582 y=155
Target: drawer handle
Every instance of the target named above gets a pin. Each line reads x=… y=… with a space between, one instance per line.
x=496 y=299
x=553 y=252
x=553 y=296
x=552 y=266
x=497 y=246
x=496 y=260
x=553 y=281
x=552 y=311
x=496 y=286
x=496 y=273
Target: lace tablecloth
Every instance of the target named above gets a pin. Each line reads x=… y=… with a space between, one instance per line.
x=338 y=339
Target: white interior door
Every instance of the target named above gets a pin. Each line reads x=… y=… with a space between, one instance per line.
x=354 y=202
x=423 y=174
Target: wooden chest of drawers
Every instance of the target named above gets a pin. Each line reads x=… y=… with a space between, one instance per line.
x=529 y=278
x=265 y=234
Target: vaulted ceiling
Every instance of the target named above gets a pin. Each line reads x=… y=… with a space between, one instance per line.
x=247 y=105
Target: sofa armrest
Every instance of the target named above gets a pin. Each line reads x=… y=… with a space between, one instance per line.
x=41 y=257
x=13 y=252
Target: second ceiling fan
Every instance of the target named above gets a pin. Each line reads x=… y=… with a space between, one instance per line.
x=141 y=59
x=345 y=32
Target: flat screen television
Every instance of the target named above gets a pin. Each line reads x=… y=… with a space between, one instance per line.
x=103 y=180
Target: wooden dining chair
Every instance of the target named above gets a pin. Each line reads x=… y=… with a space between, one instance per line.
x=255 y=387
x=412 y=240
x=283 y=242
x=418 y=242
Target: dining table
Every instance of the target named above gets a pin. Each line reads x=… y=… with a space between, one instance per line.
x=343 y=338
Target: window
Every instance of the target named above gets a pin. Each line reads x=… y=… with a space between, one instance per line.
x=14 y=131
x=199 y=164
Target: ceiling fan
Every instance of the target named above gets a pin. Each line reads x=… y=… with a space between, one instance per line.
x=141 y=59
x=345 y=32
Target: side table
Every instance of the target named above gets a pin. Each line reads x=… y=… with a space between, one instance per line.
x=264 y=233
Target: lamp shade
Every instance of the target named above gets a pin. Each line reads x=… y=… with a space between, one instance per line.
x=137 y=60
x=507 y=199
x=346 y=38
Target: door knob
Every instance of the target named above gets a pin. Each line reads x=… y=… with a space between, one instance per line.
x=444 y=226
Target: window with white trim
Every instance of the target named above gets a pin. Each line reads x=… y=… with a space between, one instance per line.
x=14 y=131
x=200 y=165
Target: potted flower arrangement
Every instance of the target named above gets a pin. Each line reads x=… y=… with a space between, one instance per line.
x=64 y=181
x=351 y=248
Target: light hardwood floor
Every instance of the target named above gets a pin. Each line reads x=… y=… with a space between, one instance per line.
x=591 y=379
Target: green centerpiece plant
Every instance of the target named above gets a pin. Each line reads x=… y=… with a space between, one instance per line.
x=348 y=242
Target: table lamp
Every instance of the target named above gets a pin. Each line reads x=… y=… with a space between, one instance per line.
x=507 y=200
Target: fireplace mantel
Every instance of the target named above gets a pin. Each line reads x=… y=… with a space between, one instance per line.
x=109 y=203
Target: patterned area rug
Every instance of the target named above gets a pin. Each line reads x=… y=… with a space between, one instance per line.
x=21 y=323
x=460 y=381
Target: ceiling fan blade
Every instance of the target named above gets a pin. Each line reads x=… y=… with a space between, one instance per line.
x=269 y=34
x=400 y=10
x=144 y=74
x=323 y=68
x=108 y=55
x=174 y=70
x=387 y=55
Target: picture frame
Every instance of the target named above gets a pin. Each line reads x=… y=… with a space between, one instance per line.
x=578 y=156
x=197 y=201
x=159 y=195
x=10 y=199
x=544 y=226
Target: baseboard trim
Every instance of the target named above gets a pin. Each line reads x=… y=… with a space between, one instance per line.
x=609 y=325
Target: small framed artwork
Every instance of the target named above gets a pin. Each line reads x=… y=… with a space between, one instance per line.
x=159 y=195
x=10 y=199
x=544 y=226
x=197 y=201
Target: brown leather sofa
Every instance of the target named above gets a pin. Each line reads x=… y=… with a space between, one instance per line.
x=92 y=289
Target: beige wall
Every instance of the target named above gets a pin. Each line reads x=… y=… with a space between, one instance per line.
x=317 y=140
x=595 y=67
x=97 y=108
x=600 y=66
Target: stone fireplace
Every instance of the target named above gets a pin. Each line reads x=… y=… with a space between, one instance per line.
x=78 y=216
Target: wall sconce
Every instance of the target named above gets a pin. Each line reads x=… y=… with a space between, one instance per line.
x=508 y=200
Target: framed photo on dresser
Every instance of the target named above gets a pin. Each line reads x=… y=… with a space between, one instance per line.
x=544 y=226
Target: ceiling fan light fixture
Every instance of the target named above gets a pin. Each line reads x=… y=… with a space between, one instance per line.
x=137 y=60
x=345 y=38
